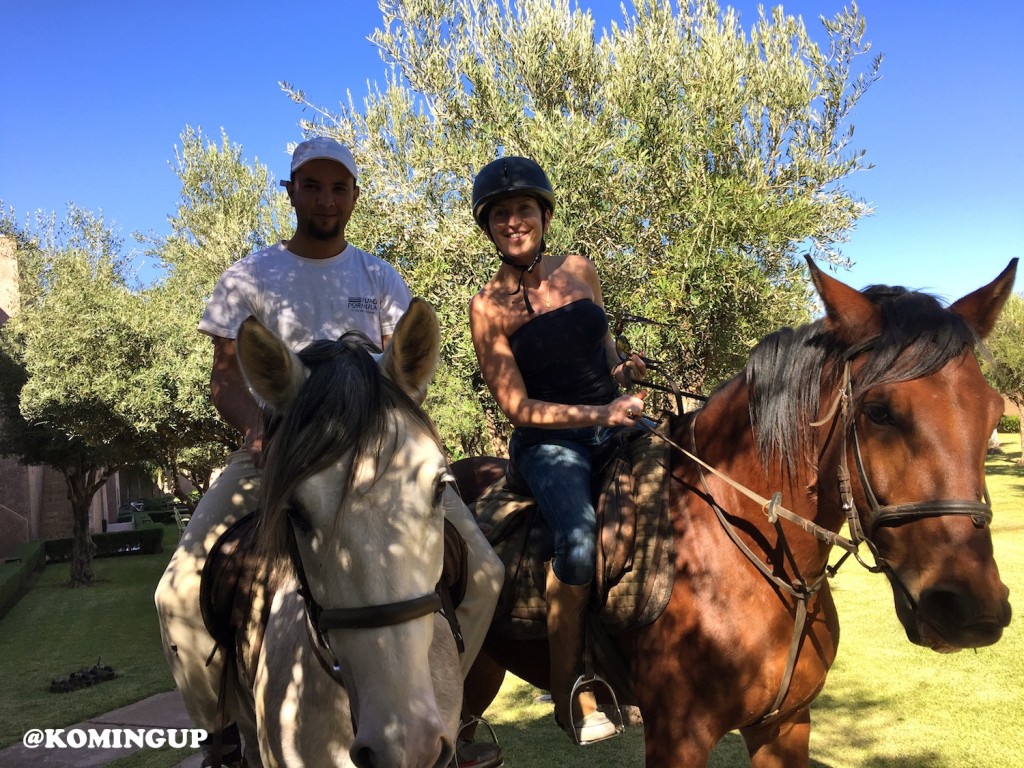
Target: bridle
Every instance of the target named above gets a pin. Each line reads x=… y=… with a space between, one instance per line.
x=863 y=525
x=320 y=620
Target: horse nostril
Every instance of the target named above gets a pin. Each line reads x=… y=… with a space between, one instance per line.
x=945 y=607
x=363 y=757
x=447 y=753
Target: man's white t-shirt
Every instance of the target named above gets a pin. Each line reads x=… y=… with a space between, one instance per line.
x=302 y=300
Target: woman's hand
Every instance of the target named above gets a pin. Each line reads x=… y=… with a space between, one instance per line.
x=625 y=410
x=629 y=371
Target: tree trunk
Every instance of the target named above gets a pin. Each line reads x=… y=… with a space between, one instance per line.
x=82 y=486
x=179 y=492
x=82 y=546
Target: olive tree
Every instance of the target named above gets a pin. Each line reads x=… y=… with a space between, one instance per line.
x=1005 y=366
x=227 y=208
x=692 y=159
x=68 y=382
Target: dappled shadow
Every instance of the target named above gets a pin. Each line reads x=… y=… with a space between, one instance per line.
x=863 y=709
x=530 y=738
x=351 y=495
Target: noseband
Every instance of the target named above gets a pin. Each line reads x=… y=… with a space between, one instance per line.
x=364 y=617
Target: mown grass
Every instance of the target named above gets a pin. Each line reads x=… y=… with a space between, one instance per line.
x=887 y=703
x=55 y=630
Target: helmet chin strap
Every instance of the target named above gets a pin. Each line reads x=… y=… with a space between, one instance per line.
x=523 y=270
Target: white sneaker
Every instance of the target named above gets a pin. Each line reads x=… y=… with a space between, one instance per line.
x=595 y=727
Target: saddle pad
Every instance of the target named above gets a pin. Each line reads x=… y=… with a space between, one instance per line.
x=635 y=545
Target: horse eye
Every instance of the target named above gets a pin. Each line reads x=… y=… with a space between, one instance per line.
x=878 y=413
x=298 y=518
x=442 y=484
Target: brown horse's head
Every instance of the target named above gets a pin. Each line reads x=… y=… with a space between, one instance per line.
x=920 y=417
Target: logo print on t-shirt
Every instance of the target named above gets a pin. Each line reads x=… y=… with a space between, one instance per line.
x=362 y=304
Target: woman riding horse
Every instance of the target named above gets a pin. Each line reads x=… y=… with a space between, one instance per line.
x=551 y=364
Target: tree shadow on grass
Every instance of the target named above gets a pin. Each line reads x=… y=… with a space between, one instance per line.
x=857 y=721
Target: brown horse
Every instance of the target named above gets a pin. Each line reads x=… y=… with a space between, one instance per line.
x=876 y=416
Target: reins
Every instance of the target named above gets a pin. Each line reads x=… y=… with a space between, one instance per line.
x=878 y=515
x=773 y=509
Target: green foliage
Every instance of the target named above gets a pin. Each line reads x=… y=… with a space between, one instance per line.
x=1009 y=424
x=690 y=158
x=75 y=337
x=227 y=209
x=16 y=572
x=67 y=361
x=1005 y=369
x=145 y=540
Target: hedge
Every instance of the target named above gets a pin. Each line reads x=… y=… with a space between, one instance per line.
x=15 y=573
x=142 y=541
x=1009 y=424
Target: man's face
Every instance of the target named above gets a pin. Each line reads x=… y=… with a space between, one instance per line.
x=323 y=194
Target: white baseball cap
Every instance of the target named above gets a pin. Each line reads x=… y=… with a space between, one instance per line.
x=323 y=148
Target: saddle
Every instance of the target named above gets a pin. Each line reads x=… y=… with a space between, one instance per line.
x=234 y=580
x=634 y=554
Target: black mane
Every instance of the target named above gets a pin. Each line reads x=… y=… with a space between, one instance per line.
x=787 y=369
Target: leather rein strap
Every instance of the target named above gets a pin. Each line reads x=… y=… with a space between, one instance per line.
x=877 y=516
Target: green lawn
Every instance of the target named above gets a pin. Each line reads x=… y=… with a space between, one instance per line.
x=55 y=630
x=887 y=703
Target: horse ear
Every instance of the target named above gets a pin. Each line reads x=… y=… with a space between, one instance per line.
x=849 y=314
x=981 y=308
x=272 y=370
x=411 y=357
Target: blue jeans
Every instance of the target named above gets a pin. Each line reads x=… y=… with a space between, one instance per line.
x=557 y=465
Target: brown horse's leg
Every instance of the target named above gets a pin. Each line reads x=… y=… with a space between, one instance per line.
x=666 y=745
x=784 y=746
x=480 y=688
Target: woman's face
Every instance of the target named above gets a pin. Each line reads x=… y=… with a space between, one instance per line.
x=517 y=225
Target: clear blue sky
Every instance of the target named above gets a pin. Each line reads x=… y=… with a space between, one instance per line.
x=97 y=93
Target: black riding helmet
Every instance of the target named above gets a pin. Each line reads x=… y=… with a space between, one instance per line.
x=507 y=176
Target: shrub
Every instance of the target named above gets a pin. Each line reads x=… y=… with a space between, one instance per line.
x=15 y=572
x=142 y=541
x=158 y=503
x=1009 y=424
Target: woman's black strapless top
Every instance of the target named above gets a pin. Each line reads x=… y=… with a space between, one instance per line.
x=561 y=355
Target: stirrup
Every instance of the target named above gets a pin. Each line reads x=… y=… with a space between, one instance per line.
x=496 y=758
x=607 y=704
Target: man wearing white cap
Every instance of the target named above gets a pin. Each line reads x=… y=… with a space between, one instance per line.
x=316 y=285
